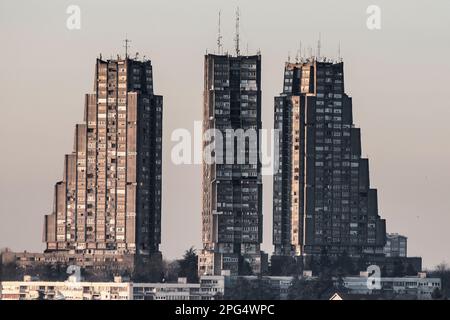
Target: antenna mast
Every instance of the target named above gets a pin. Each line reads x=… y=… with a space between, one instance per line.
x=299 y=53
x=238 y=51
x=318 y=48
x=219 y=38
x=126 y=46
x=339 y=52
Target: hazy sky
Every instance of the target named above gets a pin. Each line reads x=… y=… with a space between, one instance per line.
x=398 y=76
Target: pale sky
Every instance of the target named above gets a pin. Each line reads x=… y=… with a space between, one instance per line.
x=398 y=76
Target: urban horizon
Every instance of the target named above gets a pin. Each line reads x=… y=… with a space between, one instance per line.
x=221 y=147
x=169 y=144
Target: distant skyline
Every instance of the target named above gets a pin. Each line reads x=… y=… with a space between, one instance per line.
x=398 y=77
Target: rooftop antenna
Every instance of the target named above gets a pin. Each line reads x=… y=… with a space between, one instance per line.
x=339 y=52
x=318 y=47
x=299 y=53
x=126 y=46
x=289 y=56
x=247 y=48
x=236 y=39
x=219 y=37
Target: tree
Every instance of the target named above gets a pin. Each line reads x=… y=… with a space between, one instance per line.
x=96 y=275
x=189 y=266
x=171 y=270
x=442 y=271
x=148 y=269
x=313 y=289
x=47 y=272
x=53 y=272
x=244 y=289
x=11 y=272
x=436 y=294
x=344 y=265
x=262 y=290
x=285 y=266
x=245 y=268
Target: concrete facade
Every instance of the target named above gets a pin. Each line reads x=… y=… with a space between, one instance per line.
x=396 y=245
x=109 y=199
x=419 y=286
x=232 y=191
x=322 y=199
x=209 y=288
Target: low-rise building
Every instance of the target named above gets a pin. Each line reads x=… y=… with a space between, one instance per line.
x=209 y=288
x=168 y=291
x=419 y=286
x=64 y=290
x=213 y=286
